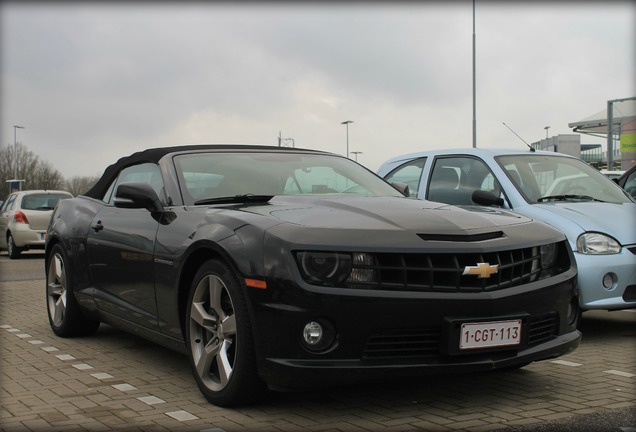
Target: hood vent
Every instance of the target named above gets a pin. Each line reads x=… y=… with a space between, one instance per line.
x=462 y=238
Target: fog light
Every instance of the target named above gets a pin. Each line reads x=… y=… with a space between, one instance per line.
x=318 y=336
x=312 y=333
x=609 y=281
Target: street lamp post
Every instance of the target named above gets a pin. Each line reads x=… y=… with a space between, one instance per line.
x=15 y=155
x=356 y=153
x=546 y=133
x=346 y=123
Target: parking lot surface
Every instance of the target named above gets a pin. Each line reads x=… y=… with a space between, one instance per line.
x=117 y=381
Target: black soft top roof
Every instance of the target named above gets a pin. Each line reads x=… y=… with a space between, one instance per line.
x=153 y=155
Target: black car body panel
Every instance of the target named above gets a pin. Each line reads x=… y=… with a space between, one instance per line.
x=134 y=268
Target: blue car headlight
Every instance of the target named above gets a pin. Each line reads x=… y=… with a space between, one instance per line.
x=593 y=243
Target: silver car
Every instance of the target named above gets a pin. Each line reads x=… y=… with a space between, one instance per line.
x=24 y=218
x=597 y=216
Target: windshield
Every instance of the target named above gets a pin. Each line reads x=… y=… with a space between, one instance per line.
x=204 y=176
x=543 y=178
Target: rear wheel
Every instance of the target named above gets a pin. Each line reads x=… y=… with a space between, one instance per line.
x=13 y=250
x=65 y=316
x=219 y=338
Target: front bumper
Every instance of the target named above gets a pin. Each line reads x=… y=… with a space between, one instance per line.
x=414 y=330
x=594 y=268
x=289 y=373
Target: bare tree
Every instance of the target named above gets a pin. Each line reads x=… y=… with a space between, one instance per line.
x=6 y=165
x=80 y=185
x=25 y=165
x=44 y=176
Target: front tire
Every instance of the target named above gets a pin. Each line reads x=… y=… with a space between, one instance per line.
x=65 y=316
x=219 y=338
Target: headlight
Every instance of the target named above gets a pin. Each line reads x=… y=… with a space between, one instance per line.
x=549 y=255
x=597 y=244
x=337 y=268
x=324 y=268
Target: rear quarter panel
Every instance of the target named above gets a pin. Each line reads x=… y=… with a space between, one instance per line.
x=69 y=226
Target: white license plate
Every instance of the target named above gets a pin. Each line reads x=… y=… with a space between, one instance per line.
x=490 y=334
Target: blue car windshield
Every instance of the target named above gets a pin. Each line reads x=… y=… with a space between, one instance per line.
x=544 y=178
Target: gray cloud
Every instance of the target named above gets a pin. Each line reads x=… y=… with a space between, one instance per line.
x=94 y=81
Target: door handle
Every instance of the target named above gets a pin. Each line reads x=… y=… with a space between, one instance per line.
x=98 y=226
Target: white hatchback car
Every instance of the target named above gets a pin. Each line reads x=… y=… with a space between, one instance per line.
x=597 y=216
x=24 y=218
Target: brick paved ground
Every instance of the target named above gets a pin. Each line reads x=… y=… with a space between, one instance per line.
x=115 y=381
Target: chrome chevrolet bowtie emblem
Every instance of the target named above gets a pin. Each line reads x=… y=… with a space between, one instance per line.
x=481 y=270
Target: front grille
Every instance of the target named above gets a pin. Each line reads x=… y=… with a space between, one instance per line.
x=542 y=329
x=630 y=293
x=444 y=272
x=426 y=342
x=403 y=343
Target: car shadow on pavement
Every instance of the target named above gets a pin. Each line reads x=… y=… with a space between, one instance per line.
x=427 y=394
x=605 y=325
x=30 y=255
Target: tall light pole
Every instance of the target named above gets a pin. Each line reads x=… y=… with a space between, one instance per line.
x=346 y=123
x=546 y=133
x=474 y=82
x=15 y=155
x=356 y=153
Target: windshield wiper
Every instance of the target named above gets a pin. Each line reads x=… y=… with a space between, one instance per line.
x=235 y=199
x=568 y=197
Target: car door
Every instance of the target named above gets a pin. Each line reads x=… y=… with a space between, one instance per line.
x=453 y=179
x=121 y=247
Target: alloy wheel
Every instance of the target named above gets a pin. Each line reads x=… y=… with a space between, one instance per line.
x=213 y=332
x=57 y=289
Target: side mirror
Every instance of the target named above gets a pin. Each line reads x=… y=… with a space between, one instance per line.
x=403 y=188
x=137 y=195
x=488 y=199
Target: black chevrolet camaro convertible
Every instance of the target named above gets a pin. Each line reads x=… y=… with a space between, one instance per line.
x=285 y=268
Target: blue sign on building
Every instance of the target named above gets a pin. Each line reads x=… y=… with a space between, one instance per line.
x=15 y=185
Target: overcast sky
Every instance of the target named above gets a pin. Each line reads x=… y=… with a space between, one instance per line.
x=92 y=81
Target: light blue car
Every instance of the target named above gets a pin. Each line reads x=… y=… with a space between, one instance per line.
x=595 y=214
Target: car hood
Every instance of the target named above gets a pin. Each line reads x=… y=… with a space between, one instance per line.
x=378 y=213
x=616 y=220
